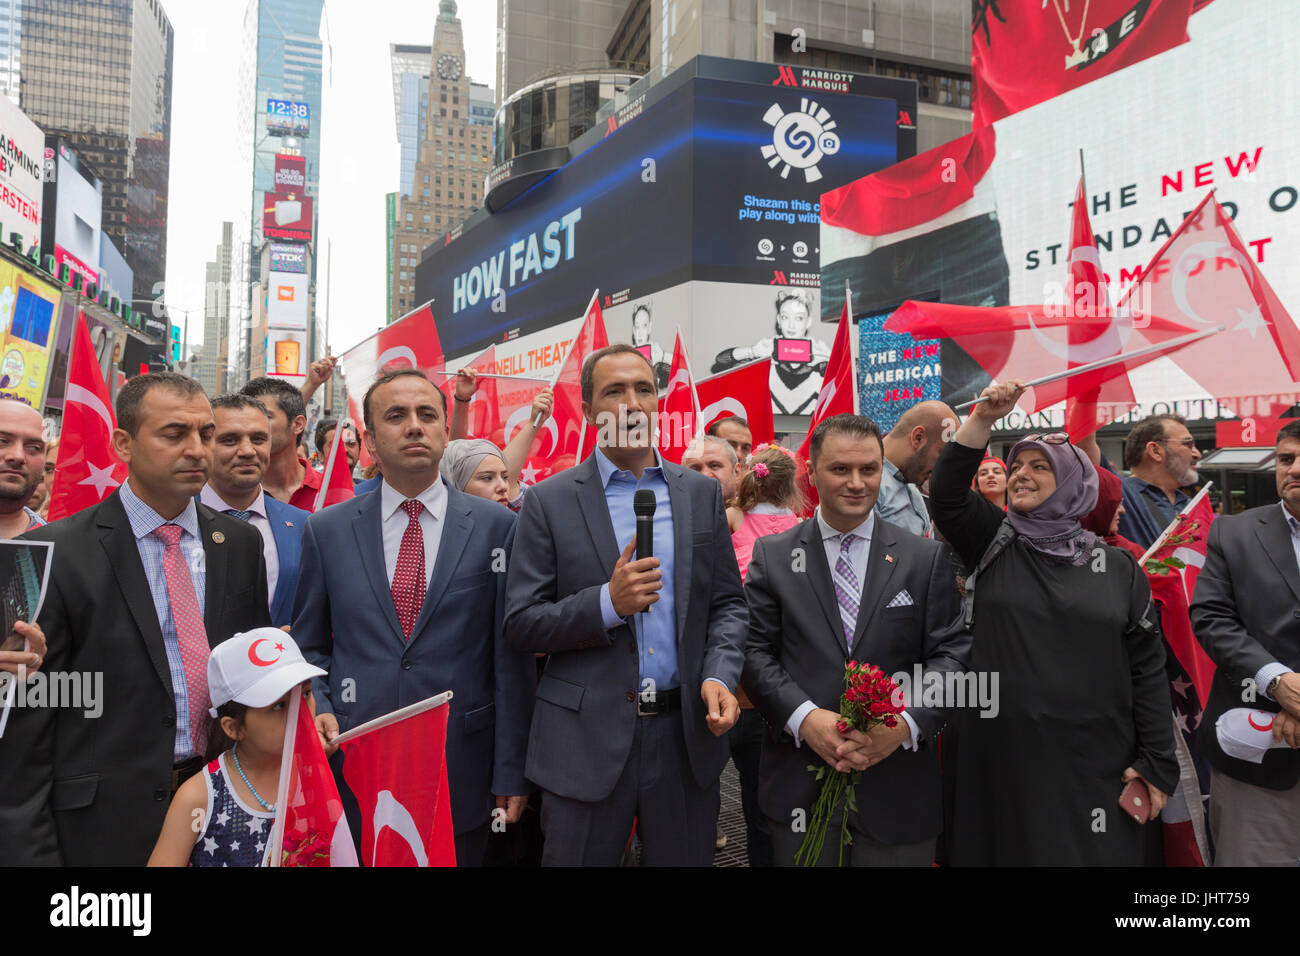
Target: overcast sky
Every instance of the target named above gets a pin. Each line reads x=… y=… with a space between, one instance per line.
x=202 y=194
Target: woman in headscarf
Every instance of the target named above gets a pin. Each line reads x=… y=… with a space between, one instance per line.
x=1063 y=622
x=991 y=480
x=476 y=466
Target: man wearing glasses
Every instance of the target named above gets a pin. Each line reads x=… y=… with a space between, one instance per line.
x=1161 y=456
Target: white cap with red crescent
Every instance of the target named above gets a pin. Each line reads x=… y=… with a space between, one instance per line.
x=256 y=668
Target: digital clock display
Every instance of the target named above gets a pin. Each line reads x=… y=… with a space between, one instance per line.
x=287 y=116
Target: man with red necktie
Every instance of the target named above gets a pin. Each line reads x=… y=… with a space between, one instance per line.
x=401 y=596
x=140 y=587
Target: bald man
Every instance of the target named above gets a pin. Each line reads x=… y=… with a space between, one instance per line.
x=22 y=465
x=911 y=449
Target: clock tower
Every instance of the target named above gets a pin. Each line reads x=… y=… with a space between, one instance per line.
x=452 y=163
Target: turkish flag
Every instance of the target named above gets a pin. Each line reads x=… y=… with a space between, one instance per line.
x=396 y=767
x=336 y=483
x=483 y=415
x=566 y=437
x=410 y=342
x=1185 y=543
x=838 y=385
x=679 y=409
x=88 y=469
x=745 y=392
x=839 y=388
x=311 y=828
x=1086 y=297
x=1205 y=278
x=1025 y=52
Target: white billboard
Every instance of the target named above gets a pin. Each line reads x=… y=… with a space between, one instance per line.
x=22 y=154
x=286 y=300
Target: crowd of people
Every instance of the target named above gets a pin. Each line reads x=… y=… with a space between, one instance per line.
x=598 y=695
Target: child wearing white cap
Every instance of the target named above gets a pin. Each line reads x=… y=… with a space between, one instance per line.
x=223 y=816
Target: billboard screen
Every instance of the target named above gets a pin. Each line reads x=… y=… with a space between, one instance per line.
x=287 y=353
x=290 y=173
x=286 y=216
x=74 y=203
x=694 y=213
x=286 y=300
x=22 y=149
x=27 y=315
x=996 y=235
x=288 y=258
x=287 y=117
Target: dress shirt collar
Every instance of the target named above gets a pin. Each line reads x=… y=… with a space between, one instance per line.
x=145 y=521
x=863 y=531
x=608 y=469
x=1292 y=523
x=434 y=499
x=214 y=501
x=892 y=470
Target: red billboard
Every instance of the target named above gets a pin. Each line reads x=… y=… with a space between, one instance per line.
x=290 y=173
x=286 y=216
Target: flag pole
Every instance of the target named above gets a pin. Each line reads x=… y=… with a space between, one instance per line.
x=276 y=840
x=1165 y=534
x=537 y=420
x=1113 y=360
x=410 y=710
x=853 y=368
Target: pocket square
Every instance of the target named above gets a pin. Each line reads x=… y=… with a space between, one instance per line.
x=901 y=599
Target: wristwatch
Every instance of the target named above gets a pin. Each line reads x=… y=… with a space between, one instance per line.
x=1272 y=687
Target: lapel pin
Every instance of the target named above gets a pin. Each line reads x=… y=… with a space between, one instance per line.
x=218 y=537
x=289 y=524
x=889 y=558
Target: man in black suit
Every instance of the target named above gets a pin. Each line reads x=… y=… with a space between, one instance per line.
x=1246 y=614
x=632 y=707
x=847 y=585
x=140 y=587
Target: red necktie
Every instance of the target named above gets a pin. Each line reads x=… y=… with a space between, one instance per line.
x=191 y=635
x=408 y=578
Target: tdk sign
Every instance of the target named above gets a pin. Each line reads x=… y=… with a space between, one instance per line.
x=530 y=256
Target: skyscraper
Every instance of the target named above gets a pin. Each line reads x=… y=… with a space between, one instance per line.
x=99 y=76
x=211 y=366
x=410 y=103
x=447 y=183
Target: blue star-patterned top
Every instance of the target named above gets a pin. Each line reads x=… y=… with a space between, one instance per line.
x=233 y=834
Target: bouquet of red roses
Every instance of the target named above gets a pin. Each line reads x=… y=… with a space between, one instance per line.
x=870 y=698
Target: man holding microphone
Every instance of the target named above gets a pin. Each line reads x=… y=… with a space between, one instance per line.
x=644 y=655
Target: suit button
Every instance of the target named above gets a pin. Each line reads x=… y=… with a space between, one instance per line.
x=631 y=696
x=160 y=795
x=1296 y=612
x=407 y=665
x=169 y=720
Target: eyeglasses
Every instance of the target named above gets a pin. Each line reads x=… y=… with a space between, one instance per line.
x=1185 y=442
x=1055 y=438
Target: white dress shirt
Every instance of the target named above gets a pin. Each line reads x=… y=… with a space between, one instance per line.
x=859 y=550
x=258 y=519
x=1264 y=676
x=395 y=521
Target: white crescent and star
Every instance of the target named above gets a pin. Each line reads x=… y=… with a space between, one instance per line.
x=100 y=478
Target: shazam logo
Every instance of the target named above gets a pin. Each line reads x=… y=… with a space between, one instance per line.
x=800 y=140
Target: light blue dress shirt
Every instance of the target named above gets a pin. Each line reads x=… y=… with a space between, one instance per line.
x=656 y=632
x=901 y=503
x=144 y=521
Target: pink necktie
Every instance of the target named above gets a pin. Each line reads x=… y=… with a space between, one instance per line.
x=408 y=577
x=191 y=635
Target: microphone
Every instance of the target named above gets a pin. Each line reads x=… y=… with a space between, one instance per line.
x=643 y=506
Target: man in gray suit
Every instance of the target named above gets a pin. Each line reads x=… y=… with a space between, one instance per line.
x=1246 y=614
x=847 y=585
x=645 y=655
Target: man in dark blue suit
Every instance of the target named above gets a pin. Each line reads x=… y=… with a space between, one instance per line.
x=632 y=708
x=241 y=454
x=401 y=596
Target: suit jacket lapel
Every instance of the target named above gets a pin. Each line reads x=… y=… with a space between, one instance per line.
x=457 y=528
x=595 y=511
x=819 y=573
x=118 y=542
x=216 y=565
x=1275 y=535
x=369 y=531
x=683 y=538
x=879 y=572
x=285 y=553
